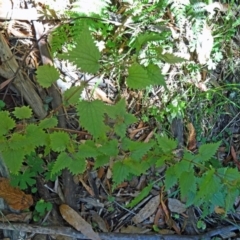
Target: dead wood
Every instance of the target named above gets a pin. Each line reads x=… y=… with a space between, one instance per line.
x=67 y=231
x=9 y=69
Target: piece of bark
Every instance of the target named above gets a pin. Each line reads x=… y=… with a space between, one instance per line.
x=9 y=69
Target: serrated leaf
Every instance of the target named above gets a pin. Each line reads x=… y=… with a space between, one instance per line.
x=187 y=182
x=7 y=123
x=208 y=185
x=166 y=144
x=182 y=166
x=72 y=95
x=31 y=132
x=92 y=117
x=13 y=159
x=48 y=123
x=137 y=149
x=207 y=151
x=109 y=148
x=170 y=177
x=63 y=160
x=138 y=77
x=17 y=141
x=120 y=173
x=101 y=160
x=88 y=149
x=59 y=141
x=144 y=193
x=23 y=112
x=133 y=167
x=47 y=75
x=146 y=37
x=85 y=55
x=77 y=164
x=155 y=74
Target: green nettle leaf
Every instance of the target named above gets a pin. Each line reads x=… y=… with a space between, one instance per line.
x=88 y=149
x=110 y=148
x=137 y=149
x=101 y=161
x=144 y=193
x=72 y=95
x=77 y=164
x=32 y=131
x=182 y=166
x=13 y=159
x=47 y=75
x=92 y=117
x=166 y=144
x=207 y=151
x=155 y=75
x=120 y=173
x=209 y=184
x=147 y=37
x=7 y=123
x=230 y=175
x=170 y=177
x=187 y=182
x=48 y=123
x=134 y=167
x=22 y=112
x=17 y=141
x=86 y=54
x=63 y=161
x=138 y=77
x=59 y=141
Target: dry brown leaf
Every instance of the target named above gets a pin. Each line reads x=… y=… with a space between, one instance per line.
x=191 y=141
x=219 y=210
x=234 y=156
x=133 y=229
x=101 y=95
x=13 y=217
x=147 y=210
x=176 y=206
x=90 y=191
x=100 y=222
x=74 y=219
x=13 y=196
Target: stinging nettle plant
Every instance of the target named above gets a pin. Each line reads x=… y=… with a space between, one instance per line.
x=199 y=183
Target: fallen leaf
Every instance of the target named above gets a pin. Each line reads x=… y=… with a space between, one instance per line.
x=89 y=190
x=191 y=141
x=14 y=197
x=147 y=210
x=74 y=219
x=133 y=229
x=13 y=217
x=219 y=210
x=176 y=206
x=234 y=156
x=100 y=222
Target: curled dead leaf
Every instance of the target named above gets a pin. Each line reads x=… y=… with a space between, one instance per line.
x=13 y=196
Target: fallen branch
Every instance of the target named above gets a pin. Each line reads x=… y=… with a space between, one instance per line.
x=67 y=231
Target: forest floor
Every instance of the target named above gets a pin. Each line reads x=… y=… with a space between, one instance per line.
x=203 y=107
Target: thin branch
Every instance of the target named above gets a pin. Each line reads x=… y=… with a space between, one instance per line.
x=67 y=231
